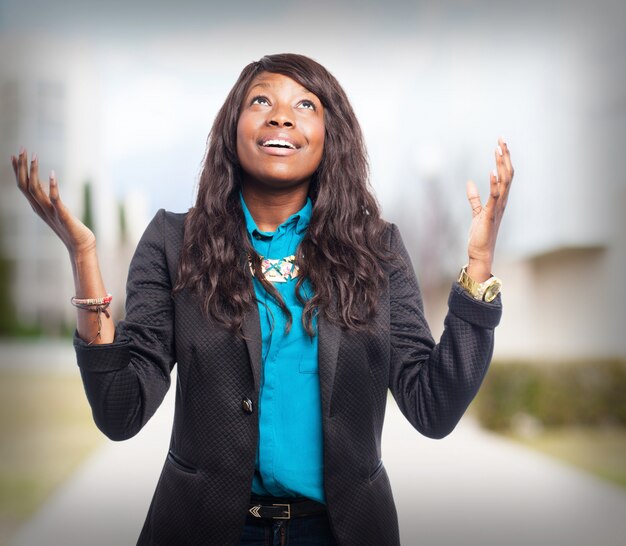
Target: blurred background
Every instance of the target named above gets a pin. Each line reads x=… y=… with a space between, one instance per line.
x=118 y=98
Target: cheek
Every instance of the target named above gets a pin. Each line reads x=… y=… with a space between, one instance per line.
x=243 y=138
x=245 y=127
x=321 y=143
x=317 y=135
x=240 y=133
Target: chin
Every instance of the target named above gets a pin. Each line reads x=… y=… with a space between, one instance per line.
x=279 y=179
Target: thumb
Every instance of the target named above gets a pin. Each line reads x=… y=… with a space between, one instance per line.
x=473 y=197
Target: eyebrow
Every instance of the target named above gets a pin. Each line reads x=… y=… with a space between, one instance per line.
x=268 y=86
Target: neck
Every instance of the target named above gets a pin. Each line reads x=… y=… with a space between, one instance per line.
x=271 y=207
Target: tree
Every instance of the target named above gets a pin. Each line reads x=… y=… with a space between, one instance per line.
x=87 y=218
x=8 y=323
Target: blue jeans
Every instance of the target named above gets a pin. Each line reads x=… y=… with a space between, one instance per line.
x=302 y=531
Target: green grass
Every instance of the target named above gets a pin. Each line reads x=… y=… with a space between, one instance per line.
x=600 y=451
x=47 y=431
x=572 y=410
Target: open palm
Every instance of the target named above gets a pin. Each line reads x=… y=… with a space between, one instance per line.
x=486 y=218
x=75 y=235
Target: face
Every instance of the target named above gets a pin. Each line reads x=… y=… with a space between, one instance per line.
x=280 y=133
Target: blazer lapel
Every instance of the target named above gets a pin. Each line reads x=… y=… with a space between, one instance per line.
x=251 y=329
x=328 y=349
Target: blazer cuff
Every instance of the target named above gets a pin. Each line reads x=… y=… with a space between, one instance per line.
x=478 y=313
x=106 y=357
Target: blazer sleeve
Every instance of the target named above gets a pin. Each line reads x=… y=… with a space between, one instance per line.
x=125 y=381
x=433 y=384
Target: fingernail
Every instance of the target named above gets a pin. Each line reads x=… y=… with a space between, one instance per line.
x=499 y=150
x=52 y=175
x=34 y=158
x=494 y=173
x=22 y=150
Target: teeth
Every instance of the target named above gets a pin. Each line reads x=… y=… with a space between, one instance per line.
x=278 y=142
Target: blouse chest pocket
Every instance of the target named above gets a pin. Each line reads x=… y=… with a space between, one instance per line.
x=308 y=362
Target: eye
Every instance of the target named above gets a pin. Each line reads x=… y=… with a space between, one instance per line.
x=259 y=99
x=308 y=105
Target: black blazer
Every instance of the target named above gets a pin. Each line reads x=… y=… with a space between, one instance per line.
x=204 y=489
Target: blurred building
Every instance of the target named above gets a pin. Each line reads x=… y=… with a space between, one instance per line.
x=562 y=246
x=49 y=103
x=563 y=303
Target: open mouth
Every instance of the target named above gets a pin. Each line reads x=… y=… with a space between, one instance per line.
x=278 y=143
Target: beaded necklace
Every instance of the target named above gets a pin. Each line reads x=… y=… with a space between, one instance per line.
x=278 y=269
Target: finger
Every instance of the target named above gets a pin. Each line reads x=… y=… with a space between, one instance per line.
x=55 y=198
x=14 y=165
x=506 y=157
x=34 y=187
x=509 y=168
x=23 y=180
x=54 y=190
x=473 y=197
x=501 y=173
x=22 y=171
x=494 y=184
x=503 y=165
x=52 y=216
x=494 y=193
x=36 y=190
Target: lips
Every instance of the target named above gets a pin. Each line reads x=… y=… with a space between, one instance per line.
x=278 y=145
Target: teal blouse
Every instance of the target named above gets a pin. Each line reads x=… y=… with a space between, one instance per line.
x=289 y=458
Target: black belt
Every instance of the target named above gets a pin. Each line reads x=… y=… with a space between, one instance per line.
x=284 y=508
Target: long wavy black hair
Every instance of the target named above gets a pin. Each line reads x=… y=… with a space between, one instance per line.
x=342 y=253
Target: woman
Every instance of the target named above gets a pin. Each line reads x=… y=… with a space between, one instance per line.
x=290 y=308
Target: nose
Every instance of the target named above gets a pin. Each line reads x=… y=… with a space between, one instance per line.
x=279 y=117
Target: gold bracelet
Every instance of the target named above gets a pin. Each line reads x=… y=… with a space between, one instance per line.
x=481 y=291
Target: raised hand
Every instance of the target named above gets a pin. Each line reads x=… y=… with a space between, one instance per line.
x=486 y=219
x=79 y=240
x=77 y=237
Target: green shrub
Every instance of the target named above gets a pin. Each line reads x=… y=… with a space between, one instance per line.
x=553 y=394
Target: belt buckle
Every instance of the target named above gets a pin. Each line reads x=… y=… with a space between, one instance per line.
x=288 y=516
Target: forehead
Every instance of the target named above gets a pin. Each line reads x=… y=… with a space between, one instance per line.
x=274 y=81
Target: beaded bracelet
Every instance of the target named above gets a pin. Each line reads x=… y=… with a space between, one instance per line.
x=96 y=305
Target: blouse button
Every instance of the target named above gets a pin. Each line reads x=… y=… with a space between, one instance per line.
x=246 y=403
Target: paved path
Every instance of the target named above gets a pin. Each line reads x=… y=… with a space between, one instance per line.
x=472 y=488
